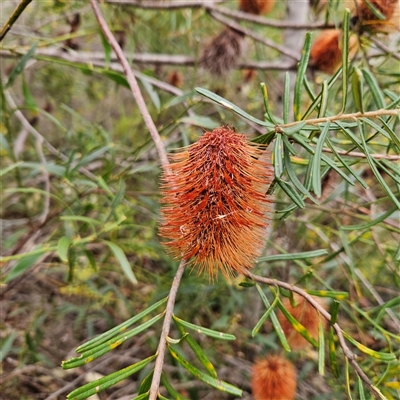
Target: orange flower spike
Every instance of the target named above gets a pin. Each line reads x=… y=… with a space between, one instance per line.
x=215 y=208
x=307 y=315
x=388 y=8
x=273 y=378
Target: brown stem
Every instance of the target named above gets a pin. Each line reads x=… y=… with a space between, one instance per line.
x=346 y=350
x=362 y=155
x=14 y=16
x=155 y=383
x=133 y=85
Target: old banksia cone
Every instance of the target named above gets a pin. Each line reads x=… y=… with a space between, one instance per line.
x=326 y=52
x=273 y=378
x=257 y=7
x=215 y=209
x=388 y=20
x=307 y=315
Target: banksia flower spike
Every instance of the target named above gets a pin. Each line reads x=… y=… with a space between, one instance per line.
x=326 y=53
x=368 y=20
x=223 y=52
x=273 y=378
x=307 y=315
x=257 y=7
x=215 y=209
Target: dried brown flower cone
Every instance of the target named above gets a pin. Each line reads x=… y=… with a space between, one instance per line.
x=326 y=52
x=257 y=7
x=175 y=78
x=273 y=378
x=369 y=21
x=215 y=210
x=307 y=315
x=223 y=52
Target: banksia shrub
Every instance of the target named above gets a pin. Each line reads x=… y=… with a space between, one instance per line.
x=257 y=7
x=368 y=20
x=326 y=53
x=223 y=52
x=215 y=209
x=273 y=378
x=307 y=315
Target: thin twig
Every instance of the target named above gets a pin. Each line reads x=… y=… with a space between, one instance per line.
x=346 y=350
x=384 y=47
x=340 y=117
x=362 y=155
x=142 y=58
x=155 y=383
x=13 y=18
x=258 y=38
x=133 y=85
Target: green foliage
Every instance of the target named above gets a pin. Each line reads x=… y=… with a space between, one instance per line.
x=80 y=200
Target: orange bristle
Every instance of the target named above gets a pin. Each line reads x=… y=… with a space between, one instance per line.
x=273 y=378
x=257 y=7
x=326 y=55
x=216 y=211
x=307 y=315
x=369 y=21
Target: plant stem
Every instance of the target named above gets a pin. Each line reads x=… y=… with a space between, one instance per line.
x=133 y=85
x=14 y=16
x=155 y=383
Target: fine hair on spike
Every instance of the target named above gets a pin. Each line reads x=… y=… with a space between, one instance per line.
x=257 y=7
x=273 y=378
x=215 y=210
x=223 y=52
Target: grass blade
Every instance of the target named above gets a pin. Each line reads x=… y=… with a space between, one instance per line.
x=316 y=165
x=264 y=317
x=321 y=349
x=21 y=65
x=294 y=256
x=278 y=156
x=345 y=57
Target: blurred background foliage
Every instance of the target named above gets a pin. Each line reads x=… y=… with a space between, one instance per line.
x=79 y=216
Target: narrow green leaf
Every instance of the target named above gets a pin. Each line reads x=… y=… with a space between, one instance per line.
x=344 y=163
x=374 y=222
x=121 y=257
x=278 y=156
x=266 y=102
x=205 y=331
x=21 y=65
x=301 y=71
x=324 y=158
x=96 y=352
x=29 y=99
x=155 y=98
x=374 y=88
x=395 y=138
x=332 y=353
x=331 y=294
x=200 y=120
x=119 y=197
x=334 y=311
x=286 y=98
x=374 y=10
x=316 y=165
x=107 y=48
x=297 y=325
x=345 y=57
x=119 y=328
x=227 y=104
x=261 y=321
x=347 y=374
x=265 y=139
x=275 y=322
x=294 y=129
x=200 y=354
x=291 y=192
x=6 y=345
x=361 y=389
x=294 y=256
x=374 y=169
x=94 y=155
x=216 y=383
x=10 y=167
x=80 y=218
x=146 y=383
x=321 y=349
x=143 y=396
x=179 y=99
x=23 y=265
x=356 y=87
x=375 y=354
x=110 y=380
x=63 y=247
x=175 y=395
x=324 y=99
